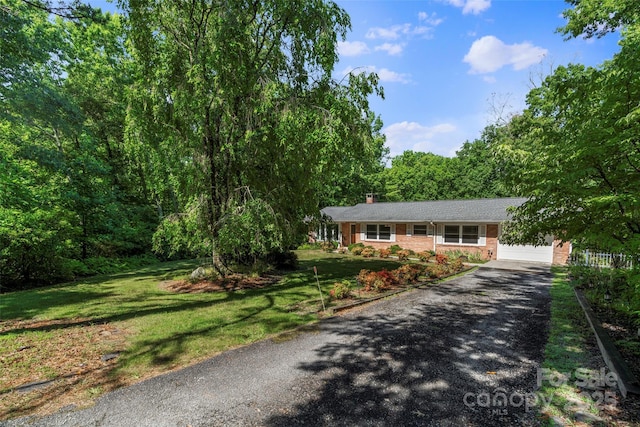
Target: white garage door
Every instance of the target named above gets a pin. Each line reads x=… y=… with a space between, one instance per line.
x=525 y=253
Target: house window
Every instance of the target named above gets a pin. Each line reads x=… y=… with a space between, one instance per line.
x=420 y=230
x=379 y=232
x=470 y=234
x=462 y=234
x=452 y=234
x=372 y=231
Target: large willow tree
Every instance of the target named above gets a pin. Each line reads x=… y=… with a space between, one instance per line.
x=237 y=120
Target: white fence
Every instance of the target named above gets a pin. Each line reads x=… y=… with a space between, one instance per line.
x=600 y=259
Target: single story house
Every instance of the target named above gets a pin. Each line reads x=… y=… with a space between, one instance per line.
x=440 y=226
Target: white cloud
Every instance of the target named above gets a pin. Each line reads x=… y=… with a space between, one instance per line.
x=387 y=75
x=430 y=19
x=394 y=32
x=470 y=6
x=357 y=48
x=489 y=54
x=489 y=79
x=391 y=48
x=384 y=74
x=405 y=135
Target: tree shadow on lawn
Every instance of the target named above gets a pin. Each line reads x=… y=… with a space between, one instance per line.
x=419 y=364
x=346 y=267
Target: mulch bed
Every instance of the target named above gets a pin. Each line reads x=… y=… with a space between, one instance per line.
x=234 y=282
x=619 y=328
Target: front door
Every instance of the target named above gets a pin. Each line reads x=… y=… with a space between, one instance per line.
x=353 y=233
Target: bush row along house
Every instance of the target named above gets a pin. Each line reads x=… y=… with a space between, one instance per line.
x=444 y=225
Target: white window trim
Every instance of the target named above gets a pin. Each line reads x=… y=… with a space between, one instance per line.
x=363 y=232
x=430 y=229
x=482 y=235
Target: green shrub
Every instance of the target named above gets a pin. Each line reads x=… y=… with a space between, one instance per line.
x=341 y=290
x=474 y=257
x=357 y=250
x=395 y=248
x=329 y=246
x=355 y=245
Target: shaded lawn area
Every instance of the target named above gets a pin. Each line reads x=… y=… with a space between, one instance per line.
x=64 y=332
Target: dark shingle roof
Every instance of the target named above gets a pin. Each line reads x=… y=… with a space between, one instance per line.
x=477 y=210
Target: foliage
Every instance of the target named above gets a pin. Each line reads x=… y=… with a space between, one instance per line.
x=65 y=184
x=425 y=256
x=395 y=248
x=471 y=256
x=407 y=273
x=368 y=252
x=384 y=253
x=341 y=290
x=356 y=250
x=456 y=265
x=355 y=245
x=621 y=286
x=575 y=147
x=403 y=255
x=473 y=173
x=329 y=246
x=441 y=259
x=234 y=101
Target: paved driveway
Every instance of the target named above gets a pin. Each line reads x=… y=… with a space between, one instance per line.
x=438 y=356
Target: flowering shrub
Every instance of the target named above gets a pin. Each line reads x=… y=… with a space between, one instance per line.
x=441 y=259
x=342 y=250
x=357 y=250
x=376 y=281
x=403 y=255
x=424 y=256
x=456 y=265
x=384 y=253
x=407 y=273
x=438 y=270
x=368 y=252
x=366 y=278
x=341 y=290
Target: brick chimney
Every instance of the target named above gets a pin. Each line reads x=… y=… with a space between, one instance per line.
x=371 y=198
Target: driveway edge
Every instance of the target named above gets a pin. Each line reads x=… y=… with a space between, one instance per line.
x=627 y=383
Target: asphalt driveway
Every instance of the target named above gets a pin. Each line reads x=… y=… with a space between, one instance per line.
x=443 y=355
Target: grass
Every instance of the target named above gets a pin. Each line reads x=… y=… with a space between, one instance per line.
x=567 y=351
x=62 y=332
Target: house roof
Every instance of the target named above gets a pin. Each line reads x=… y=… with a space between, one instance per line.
x=476 y=210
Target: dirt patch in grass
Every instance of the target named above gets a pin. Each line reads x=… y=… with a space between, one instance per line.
x=234 y=282
x=55 y=363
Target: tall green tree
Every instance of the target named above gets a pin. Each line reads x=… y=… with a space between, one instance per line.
x=479 y=173
x=237 y=101
x=67 y=190
x=577 y=143
x=420 y=176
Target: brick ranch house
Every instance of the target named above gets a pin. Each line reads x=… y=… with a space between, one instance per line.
x=442 y=225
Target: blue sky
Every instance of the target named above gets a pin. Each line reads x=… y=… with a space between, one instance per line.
x=442 y=62
x=445 y=64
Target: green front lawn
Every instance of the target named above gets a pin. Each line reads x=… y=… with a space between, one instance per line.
x=51 y=332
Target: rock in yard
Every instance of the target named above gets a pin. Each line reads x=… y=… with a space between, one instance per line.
x=198 y=274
